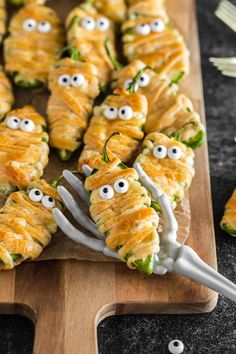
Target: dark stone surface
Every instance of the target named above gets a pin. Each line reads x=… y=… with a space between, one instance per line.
x=209 y=333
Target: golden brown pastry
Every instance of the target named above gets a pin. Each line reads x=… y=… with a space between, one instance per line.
x=228 y=222
x=36 y=37
x=169 y=111
x=27 y=223
x=90 y=32
x=113 y=9
x=121 y=209
x=23 y=149
x=74 y=86
x=6 y=95
x=169 y=164
x=121 y=112
x=3 y=19
x=159 y=45
x=144 y=8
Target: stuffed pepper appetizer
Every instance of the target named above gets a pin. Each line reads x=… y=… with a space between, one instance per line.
x=169 y=164
x=123 y=113
x=121 y=208
x=3 y=19
x=27 y=223
x=94 y=37
x=23 y=149
x=74 y=86
x=26 y=2
x=159 y=45
x=169 y=111
x=6 y=95
x=144 y=8
x=228 y=223
x=114 y=9
x=36 y=37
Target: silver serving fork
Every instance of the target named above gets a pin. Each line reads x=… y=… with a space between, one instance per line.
x=173 y=256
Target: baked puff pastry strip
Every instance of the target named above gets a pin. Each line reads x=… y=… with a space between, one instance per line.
x=27 y=2
x=113 y=9
x=169 y=111
x=27 y=223
x=122 y=113
x=3 y=19
x=121 y=209
x=6 y=95
x=159 y=45
x=91 y=33
x=169 y=164
x=74 y=86
x=23 y=149
x=144 y=8
x=36 y=37
x=228 y=222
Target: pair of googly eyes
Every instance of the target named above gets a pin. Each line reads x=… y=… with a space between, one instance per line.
x=161 y=152
x=89 y=24
x=155 y=26
x=124 y=113
x=143 y=81
x=27 y=125
x=36 y=195
x=30 y=25
x=121 y=186
x=76 y=80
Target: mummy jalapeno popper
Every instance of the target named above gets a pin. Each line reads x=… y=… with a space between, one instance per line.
x=27 y=223
x=23 y=149
x=122 y=113
x=92 y=34
x=228 y=222
x=35 y=39
x=6 y=95
x=121 y=208
x=169 y=111
x=74 y=86
x=3 y=18
x=159 y=45
x=169 y=164
x=113 y=9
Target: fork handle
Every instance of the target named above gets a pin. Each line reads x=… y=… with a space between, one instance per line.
x=189 y=264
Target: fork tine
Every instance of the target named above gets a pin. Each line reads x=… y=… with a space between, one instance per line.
x=77 y=185
x=189 y=264
x=229 y=73
x=230 y=60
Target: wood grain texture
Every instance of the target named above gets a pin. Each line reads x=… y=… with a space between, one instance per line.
x=67 y=299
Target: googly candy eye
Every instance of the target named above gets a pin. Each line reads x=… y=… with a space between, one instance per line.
x=121 y=185
x=27 y=125
x=88 y=24
x=44 y=27
x=77 y=80
x=111 y=113
x=13 y=122
x=35 y=195
x=128 y=83
x=176 y=347
x=48 y=202
x=144 y=29
x=106 y=192
x=174 y=153
x=125 y=113
x=103 y=24
x=29 y=24
x=64 y=80
x=160 y=152
x=144 y=80
x=157 y=26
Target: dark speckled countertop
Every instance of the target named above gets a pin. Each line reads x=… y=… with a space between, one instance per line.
x=209 y=333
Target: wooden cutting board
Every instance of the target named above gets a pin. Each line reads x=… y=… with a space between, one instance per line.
x=67 y=299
